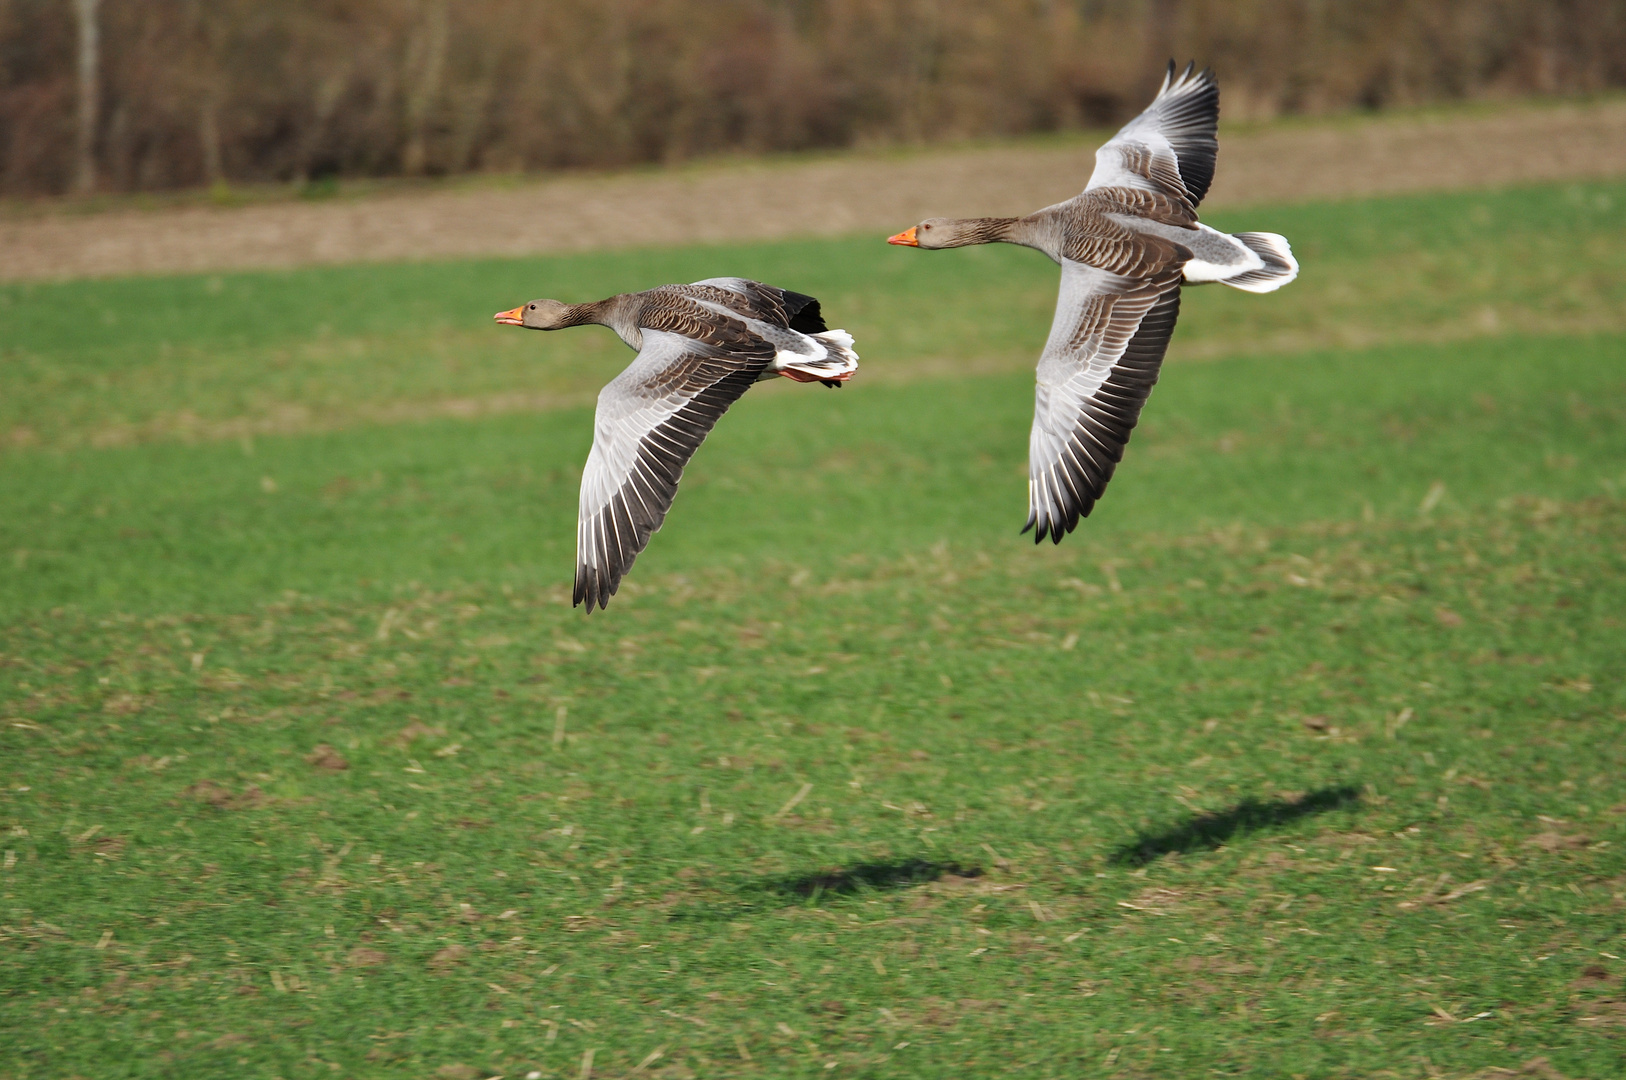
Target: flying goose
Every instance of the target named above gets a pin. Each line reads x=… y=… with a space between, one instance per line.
x=1125 y=245
x=699 y=347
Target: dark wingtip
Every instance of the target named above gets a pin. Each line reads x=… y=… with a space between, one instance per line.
x=588 y=592
x=805 y=314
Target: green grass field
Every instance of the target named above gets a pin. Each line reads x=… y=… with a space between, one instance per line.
x=1303 y=757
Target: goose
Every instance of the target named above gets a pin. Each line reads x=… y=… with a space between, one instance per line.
x=1125 y=245
x=700 y=347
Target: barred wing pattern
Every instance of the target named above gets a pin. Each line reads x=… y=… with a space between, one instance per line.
x=766 y=303
x=650 y=420
x=1098 y=368
x=1172 y=146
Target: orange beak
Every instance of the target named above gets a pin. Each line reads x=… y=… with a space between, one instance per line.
x=515 y=317
x=906 y=238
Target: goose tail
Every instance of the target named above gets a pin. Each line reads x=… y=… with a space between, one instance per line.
x=1279 y=265
x=835 y=367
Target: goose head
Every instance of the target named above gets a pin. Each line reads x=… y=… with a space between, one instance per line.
x=538 y=315
x=938 y=232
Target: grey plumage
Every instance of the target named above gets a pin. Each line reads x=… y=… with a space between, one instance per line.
x=700 y=347
x=1126 y=244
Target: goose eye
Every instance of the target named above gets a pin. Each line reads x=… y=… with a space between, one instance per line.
x=532 y=307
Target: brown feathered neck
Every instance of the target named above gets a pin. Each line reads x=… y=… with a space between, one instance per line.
x=595 y=313
x=1034 y=231
x=964 y=232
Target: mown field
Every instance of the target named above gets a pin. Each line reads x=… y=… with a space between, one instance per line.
x=1303 y=757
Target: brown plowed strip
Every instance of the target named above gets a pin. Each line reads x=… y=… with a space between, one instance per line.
x=843 y=195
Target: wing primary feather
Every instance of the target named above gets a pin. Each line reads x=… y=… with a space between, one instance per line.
x=805 y=316
x=1098 y=369
x=626 y=535
x=652 y=419
x=1181 y=120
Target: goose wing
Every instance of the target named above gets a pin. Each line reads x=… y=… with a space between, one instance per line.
x=766 y=303
x=1171 y=147
x=650 y=420
x=1097 y=370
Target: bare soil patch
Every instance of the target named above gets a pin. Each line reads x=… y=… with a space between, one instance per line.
x=834 y=196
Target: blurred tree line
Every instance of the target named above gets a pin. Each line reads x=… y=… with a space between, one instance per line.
x=148 y=94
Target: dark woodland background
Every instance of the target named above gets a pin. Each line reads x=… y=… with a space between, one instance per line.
x=189 y=92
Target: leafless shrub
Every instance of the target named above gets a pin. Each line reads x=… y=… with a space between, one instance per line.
x=199 y=91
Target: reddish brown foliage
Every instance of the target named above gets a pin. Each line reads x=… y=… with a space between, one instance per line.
x=243 y=91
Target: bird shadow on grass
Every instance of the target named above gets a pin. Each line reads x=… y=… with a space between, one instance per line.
x=811 y=889
x=880 y=876
x=1212 y=830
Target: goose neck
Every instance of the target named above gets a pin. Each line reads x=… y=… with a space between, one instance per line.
x=597 y=313
x=991 y=230
x=620 y=313
x=1029 y=232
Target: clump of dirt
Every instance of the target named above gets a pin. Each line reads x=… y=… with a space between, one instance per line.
x=326 y=758
x=222 y=797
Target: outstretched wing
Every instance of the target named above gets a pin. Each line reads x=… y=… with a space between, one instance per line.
x=1171 y=147
x=766 y=303
x=1098 y=368
x=651 y=419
